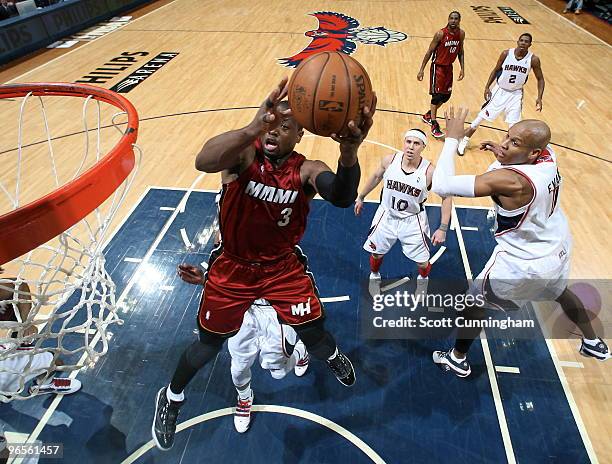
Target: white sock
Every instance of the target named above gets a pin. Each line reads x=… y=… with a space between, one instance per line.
x=333 y=356
x=465 y=140
x=592 y=342
x=246 y=393
x=455 y=358
x=176 y=397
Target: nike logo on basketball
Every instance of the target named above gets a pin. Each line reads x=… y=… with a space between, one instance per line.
x=301 y=309
x=270 y=193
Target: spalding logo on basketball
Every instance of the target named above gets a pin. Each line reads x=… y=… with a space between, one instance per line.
x=328 y=90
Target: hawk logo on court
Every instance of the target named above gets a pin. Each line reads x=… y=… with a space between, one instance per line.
x=301 y=309
x=338 y=33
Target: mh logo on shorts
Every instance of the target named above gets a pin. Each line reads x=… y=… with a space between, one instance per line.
x=301 y=309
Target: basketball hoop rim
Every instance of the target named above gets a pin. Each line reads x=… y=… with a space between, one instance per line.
x=37 y=222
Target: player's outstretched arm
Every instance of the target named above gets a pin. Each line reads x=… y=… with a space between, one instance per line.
x=233 y=148
x=340 y=189
x=432 y=46
x=503 y=182
x=461 y=55
x=439 y=236
x=537 y=70
x=191 y=274
x=372 y=182
x=496 y=70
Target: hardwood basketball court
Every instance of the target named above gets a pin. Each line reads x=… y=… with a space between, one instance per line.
x=225 y=60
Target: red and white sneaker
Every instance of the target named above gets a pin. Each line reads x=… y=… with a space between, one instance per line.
x=435 y=130
x=303 y=362
x=426 y=118
x=58 y=386
x=242 y=414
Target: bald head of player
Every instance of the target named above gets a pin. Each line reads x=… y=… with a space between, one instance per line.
x=524 y=142
x=280 y=140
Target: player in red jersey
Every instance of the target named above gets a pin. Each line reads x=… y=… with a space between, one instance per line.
x=446 y=46
x=267 y=187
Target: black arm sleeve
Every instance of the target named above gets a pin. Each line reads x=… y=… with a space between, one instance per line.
x=339 y=189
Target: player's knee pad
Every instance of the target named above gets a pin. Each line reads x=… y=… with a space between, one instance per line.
x=317 y=340
x=199 y=353
x=440 y=98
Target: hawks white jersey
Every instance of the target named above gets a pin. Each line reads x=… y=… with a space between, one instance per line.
x=539 y=228
x=404 y=193
x=514 y=72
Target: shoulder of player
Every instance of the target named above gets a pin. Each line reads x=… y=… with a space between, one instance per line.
x=438 y=35
x=388 y=159
x=509 y=180
x=313 y=168
x=462 y=34
x=535 y=60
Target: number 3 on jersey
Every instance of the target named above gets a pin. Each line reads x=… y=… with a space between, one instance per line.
x=286 y=216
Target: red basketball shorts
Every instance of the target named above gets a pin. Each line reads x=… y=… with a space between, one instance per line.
x=440 y=78
x=231 y=287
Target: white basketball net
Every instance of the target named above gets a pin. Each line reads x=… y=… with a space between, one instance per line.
x=57 y=302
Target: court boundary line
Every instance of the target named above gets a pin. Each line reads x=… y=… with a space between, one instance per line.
x=241 y=108
x=33 y=436
x=582 y=430
x=360 y=444
x=499 y=406
x=546 y=7
x=87 y=43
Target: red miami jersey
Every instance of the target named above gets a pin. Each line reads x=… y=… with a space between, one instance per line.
x=263 y=213
x=448 y=48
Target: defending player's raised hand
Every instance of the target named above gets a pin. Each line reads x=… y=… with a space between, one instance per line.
x=357 y=133
x=438 y=238
x=191 y=274
x=488 y=145
x=455 y=122
x=358 y=206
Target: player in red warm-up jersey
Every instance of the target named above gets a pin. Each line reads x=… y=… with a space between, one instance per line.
x=267 y=187
x=445 y=47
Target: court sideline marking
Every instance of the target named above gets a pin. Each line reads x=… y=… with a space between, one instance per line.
x=54 y=404
x=499 y=407
x=355 y=440
x=567 y=390
x=546 y=7
x=86 y=44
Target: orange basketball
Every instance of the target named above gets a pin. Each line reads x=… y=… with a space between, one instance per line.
x=327 y=90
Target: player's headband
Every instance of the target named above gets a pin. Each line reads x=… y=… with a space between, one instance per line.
x=419 y=134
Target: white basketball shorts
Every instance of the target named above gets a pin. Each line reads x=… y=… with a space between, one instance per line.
x=410 y=231
x=262 y=334
x=12 y=368
x=510 y=103
x=520 y=280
